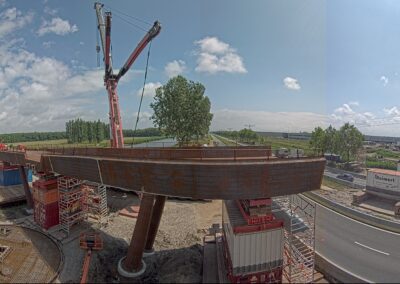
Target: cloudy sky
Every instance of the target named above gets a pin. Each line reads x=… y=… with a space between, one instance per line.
x=279 y=65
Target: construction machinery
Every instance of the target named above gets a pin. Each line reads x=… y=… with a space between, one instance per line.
x=89 y=241
x=110 y=79
x=3 y=147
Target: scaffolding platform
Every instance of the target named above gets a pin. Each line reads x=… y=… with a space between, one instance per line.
x=71 y=202
x=299 y=245
x=95 y=202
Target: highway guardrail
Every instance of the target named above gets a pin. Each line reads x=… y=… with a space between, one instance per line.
x=355 y=214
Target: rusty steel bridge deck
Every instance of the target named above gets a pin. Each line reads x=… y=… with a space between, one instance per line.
x=204 y=173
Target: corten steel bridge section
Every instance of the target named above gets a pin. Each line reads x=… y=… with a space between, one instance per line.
x=200 y=173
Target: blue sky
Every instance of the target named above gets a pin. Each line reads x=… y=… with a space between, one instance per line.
x=280 y=65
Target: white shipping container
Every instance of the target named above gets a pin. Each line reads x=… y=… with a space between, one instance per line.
x=384 y=179
x=254 y=251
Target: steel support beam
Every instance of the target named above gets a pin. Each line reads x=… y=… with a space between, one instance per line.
x=24 y=180
x=133 y=260
x=155 y=222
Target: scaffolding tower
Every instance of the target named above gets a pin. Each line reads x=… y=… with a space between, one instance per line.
x=71 y=205
x=95 y=202
x=299 y=246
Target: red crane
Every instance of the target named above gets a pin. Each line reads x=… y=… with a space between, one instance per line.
x=110 y=79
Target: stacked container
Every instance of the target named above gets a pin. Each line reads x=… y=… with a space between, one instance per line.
x=9 y=175
x=45 y=198
x=253 y=245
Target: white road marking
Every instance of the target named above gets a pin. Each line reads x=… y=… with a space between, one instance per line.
x=382 y=252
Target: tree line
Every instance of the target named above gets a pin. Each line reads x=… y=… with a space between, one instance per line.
x=245 y=135
x=31 y=136
x=346 y=141
x=79 y=131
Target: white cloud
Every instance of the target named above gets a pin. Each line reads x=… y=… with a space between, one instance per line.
x=346 y=113
x=12 y=20
x=385 y=80
x=57 y=26
x=216 y=56
x=393 y=111
x=268 y=121
x=367 y=122
x=354 y=104
x=3 y=115
x=48 y=44
x=291 y=83
x=144 y=119
x=149 y=89
x=50 y=11
x=174 y=68
x=39 y=93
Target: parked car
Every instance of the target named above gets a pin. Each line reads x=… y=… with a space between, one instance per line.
x=347 y=177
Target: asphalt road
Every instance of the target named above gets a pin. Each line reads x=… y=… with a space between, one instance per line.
x=369 y=253
x=240 y=144
x=358 y=181
x=218 y=141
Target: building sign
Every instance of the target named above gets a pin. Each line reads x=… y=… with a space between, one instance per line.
x=384 y=181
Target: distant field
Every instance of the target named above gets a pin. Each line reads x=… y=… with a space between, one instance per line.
x=64 y=143
x=277 y=143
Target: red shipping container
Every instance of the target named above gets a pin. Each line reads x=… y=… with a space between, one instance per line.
x=46 y=215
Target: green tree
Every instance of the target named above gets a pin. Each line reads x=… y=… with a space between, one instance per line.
x=318 y=140
x=351 y=140
x=331 y=140
x=181 y=109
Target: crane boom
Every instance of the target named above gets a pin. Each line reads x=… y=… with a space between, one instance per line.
x=152 y=33
x=111 y=80
x=101 y=26
x=107 y=56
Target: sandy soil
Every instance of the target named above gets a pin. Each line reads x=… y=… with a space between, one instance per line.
x=178 y=245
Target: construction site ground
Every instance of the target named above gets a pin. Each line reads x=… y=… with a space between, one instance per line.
x=178 y=247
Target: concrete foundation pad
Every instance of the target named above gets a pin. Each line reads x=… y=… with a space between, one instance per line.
x=148 y=253
x=129 y=274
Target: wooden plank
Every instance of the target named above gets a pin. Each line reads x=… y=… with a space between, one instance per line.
x=210 y=273
x=222 y=276
x=10 y=194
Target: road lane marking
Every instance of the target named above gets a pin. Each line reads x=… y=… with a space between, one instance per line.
x=351 y=218
x=382 y=252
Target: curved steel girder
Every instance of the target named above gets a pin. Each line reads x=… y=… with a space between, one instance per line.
x=195 y=179
x=17 y=158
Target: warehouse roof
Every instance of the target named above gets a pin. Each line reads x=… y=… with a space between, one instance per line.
x=386 y=172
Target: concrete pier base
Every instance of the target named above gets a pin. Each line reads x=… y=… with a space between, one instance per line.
x=133 y=263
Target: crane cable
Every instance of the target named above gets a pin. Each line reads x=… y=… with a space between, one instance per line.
x=141 y=98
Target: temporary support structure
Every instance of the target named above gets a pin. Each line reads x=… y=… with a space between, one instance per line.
x=95 y=202
x=299 y=215
x=253 y=241
x=70 y=202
